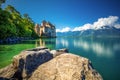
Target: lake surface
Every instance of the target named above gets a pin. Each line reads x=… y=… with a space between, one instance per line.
x=104 y=53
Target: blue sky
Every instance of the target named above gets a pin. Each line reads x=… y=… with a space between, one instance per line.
x=67 y=13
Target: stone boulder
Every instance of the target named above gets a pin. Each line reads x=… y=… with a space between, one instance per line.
x=44 y=64
x=58 y=52
x=66 y=67
x=26 y=62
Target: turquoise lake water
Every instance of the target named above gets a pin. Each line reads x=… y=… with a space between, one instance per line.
x=104 y=53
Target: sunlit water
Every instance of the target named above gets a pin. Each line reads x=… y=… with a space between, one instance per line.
x=104 y=53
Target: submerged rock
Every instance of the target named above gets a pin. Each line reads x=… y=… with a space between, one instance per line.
x=45 y=64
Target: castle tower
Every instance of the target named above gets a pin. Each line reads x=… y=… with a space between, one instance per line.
x=46 y=29
x=37 y=29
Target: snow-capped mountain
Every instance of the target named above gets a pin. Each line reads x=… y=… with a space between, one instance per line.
x=101 y=32
x=108 y=27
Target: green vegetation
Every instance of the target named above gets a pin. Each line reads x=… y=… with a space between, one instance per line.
x=13 y=24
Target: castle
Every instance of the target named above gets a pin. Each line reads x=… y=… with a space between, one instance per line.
x=45 y=29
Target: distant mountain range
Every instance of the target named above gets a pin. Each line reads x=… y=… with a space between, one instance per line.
x=104 y=31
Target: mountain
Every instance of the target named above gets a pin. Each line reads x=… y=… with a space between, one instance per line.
x=104 y=31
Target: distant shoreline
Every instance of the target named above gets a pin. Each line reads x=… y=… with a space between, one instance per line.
x=15 y=39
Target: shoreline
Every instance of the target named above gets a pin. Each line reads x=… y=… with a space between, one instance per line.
x=19 y=39
x=15 y=40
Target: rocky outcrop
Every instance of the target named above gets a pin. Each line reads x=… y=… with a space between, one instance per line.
x=27 y=61
x=45 y=64
x=58 y=52
x=66 y=67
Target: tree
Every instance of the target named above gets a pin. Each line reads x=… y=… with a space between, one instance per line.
x=13 y=24
x=25 y=15
x=28 y=23
x=11 y=9
x=7 y=29
x=1 y=2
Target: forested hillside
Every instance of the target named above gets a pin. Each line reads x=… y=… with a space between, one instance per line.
x=14 y=24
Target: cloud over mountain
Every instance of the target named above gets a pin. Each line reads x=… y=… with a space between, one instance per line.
x=66 y=29
x=111 y=21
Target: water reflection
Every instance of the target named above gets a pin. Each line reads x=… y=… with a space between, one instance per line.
x=40 y=43
x=62 y=42
x=50 y=43
x=100 y=47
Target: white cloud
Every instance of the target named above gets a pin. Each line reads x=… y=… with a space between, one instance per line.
x=110 y=21
x=57 y=30
x=84 y=27
x=117 y=26
x=66 y=29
